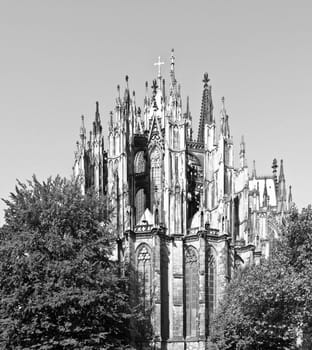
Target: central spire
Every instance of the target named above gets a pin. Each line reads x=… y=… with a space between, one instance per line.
x=206 y=116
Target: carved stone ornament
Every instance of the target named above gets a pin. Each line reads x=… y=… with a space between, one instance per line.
x=190 y=255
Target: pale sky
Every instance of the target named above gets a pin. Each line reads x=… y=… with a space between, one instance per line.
x=59 y=57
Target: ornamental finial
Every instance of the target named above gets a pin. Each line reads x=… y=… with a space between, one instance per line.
x=127 y=81
x=154 y=86
x=223 y=103
x=172 y=60
x=206 y=80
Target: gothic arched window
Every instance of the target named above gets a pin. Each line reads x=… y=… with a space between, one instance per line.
x=212 y=285
x=191 y=290
x=139 y=204
x=139 y=163
x=155 y=171
x=144 y=274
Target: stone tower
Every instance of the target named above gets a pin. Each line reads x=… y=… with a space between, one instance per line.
x=186 y=216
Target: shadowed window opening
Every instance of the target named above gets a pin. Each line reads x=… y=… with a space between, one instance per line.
x=211 y=286
x=144 y=275
x=139 y=163
x=140 y=203
x=191 y=291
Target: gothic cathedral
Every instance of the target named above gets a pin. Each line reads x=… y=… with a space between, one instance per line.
x=186 y=216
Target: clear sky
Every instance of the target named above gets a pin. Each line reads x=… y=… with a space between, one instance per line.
x=59 y=57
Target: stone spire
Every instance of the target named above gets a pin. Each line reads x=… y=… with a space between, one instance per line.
x=154 y=87
x=118 y=99
x=172 y=71
x=254 y=174
x=146 y=93
x=82 y=132
x=281 y=189
x=111 y=122
x=225 y=129
x=133 y=100
x=274 y=170
x=281 y=175
x=187 y=115
x=242 y=153
x=187 y=106
x=90 y=141
x=138 y=125
x=97 y=112
x=146 y=107
x=97 y=126
x=265 y=195
x=290 y=199
x=206 y=116
x=164 y=90
x=127 y=96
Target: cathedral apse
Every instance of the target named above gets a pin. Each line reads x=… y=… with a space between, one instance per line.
x=185 y=214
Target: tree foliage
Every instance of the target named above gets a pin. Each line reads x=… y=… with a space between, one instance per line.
x=58 y=287
x=268 y=305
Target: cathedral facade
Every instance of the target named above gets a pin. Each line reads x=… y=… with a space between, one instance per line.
x=185 y=214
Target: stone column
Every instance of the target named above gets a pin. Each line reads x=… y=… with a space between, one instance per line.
x=156 y=288
x=202 y=286
x=176 y=315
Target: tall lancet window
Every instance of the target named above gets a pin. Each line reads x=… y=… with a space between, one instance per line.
x=139 y=163
x=144 y=274
x=191 y=290
x=139 y=204
x=155 y=172
x=212 y=285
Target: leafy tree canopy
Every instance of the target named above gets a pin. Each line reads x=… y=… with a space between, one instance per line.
x=58 y=287
x=268 y=305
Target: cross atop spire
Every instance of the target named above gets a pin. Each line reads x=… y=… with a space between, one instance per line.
x=159 y=63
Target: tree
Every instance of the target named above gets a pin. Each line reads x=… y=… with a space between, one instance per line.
x=59 y=288
x=297 y=247
x=257 y=310
x=268 y=305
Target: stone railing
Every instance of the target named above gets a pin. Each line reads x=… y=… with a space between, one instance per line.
x=195 y=145
x=143 y=228
x=210 y=231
